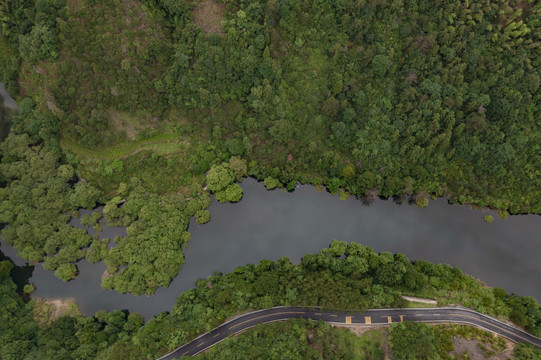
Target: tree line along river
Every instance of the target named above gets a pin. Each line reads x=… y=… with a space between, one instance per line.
x=272 y=224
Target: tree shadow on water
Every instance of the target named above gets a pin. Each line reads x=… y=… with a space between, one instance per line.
x=20 y=275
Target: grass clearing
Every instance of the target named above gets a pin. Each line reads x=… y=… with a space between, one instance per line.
x=369 y=344
x=208 y=16
x=45 y=312
x=415 y=304
x=163 y=144
x=472 y=343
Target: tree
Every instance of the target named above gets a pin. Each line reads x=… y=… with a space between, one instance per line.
x=238 y=166
x=271 y=183
x=219 y=177
x=85 y=195
x=337 y=248
x=202 y=216
x=232 y=193
x=412 y=341
x=421 y=201
x=66 y=272
x=5 y=269
x=380 y=65
x=40 y=44
x=524 y=351
x=281 y=131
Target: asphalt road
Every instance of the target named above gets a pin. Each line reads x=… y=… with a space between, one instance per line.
x=370 y=317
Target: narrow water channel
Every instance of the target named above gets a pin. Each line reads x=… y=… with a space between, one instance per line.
x=272 y=224
x=8 y=107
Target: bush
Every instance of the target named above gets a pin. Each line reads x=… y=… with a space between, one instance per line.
x=202 y=216
x=413 y=341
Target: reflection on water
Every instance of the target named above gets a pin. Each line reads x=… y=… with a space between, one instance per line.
x=8 y=107
x=272 y=224
x=21 y=272
x=8 y=100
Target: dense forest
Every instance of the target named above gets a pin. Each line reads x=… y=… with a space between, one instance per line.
x=148 y=106
x=342 y=276
x=387 y=98
x=302 y=339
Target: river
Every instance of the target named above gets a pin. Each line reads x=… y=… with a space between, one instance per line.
x=8 y=106
x=272 y=224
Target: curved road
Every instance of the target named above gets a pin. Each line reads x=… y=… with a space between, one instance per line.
x=370 y=317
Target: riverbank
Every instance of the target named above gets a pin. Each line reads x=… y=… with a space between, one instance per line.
x=8 y=108
x=272 y=224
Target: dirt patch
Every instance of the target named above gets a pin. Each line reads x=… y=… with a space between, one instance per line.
x=360 y=330
x=61 y=306
x=47 y=311
x=75 y=5
x=386 y=346
x=420 y=300
x=122 y=123
x=357 y=329
x=208 y=16
x=475 y=350
x=106 y=274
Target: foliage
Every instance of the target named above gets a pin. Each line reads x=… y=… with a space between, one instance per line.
x=341 y=277
x=40 y=43
x=202 y=216
x=219 y=177
x=526 y=352
x=220 y=180
x=271 y=183
x=70 y=336
x=91 y=219
x=384 y=98
x=130 y=104
x=45 y=192
x=297 y=339
x=151 y=255
x=344 y=276
x=412 y=340
x=42 y=192
x=232 y=193
x=97 y=250
x=66 y=271
x=17 y=328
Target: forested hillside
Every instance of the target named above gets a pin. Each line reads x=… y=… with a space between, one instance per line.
x=303 y=339
x=343 y=276
x=130 y=103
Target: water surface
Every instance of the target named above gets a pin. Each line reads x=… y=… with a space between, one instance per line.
x=8 y=107
x=272 y=224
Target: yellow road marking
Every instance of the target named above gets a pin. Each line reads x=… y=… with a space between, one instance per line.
x=368 y=320
x=262 y=316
